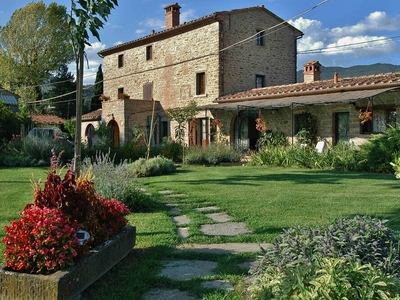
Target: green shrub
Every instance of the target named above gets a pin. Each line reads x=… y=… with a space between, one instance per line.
x=380 y=151
x=326 y=278
x=172 y=150
x=117 y=181
x=304 y=254
x=152 y=167
x=213 y=154
x=368 y=239
x=343 y=157
x=272 y=139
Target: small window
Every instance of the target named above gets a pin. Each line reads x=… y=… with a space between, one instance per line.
x=260 y=38
x=147 y=91
x=200 y=83
x=260 y=81
x=120 y=61
x=149 y=52
x=120 y=92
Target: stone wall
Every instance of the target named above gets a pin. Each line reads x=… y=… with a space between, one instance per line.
x=276 y=60
x=172 y=70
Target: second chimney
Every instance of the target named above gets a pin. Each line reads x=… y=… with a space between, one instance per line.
x=312 y=71
x=172 y=13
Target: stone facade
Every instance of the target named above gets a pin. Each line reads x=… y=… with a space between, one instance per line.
x=198 y=61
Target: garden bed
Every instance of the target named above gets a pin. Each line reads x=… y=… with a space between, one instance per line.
x=69 y=283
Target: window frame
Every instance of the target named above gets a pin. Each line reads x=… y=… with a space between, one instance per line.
x=200 y=83
x=263 y=81
x=149 y=52
x=260 y=37
x=120 y=60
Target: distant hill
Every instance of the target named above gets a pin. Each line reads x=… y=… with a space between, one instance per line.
x=327 y=72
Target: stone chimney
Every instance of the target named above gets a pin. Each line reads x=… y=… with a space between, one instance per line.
x=312 y=71
x=335 y=77
x=172 y=13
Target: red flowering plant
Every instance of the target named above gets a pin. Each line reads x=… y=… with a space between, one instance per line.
x=43 y=240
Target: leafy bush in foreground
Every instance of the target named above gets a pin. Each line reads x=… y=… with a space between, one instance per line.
x=363 y=237
x=299 y=251
x=326 y=278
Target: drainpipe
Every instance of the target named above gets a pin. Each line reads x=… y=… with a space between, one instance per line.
x=291 y=106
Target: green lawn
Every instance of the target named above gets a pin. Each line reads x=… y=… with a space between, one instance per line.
x=266 y=199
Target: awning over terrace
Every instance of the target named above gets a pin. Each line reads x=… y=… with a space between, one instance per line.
x=303 y=100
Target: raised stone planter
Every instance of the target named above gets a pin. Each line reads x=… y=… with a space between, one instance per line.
x=68 y=284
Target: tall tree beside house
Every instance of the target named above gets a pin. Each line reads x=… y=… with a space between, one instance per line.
x=33 y=44
x=62 y=83
x=85 y=16
x=98 y=90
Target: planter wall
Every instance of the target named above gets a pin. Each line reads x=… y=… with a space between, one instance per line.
x=68 y=283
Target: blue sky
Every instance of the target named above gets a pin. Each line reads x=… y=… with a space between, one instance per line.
x=372 y=27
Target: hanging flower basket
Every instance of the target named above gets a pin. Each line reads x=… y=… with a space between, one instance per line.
x=365 y=116
x=261 y=125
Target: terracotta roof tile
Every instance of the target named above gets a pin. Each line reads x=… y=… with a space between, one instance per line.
x=322 y=86
x=47 y=119
x=93 y=115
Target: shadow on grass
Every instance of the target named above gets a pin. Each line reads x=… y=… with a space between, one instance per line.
x=295 y=176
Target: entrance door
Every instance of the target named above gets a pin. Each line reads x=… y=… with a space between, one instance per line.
x=342 y=126
x=247 y=135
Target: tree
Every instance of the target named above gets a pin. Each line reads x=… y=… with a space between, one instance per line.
x=182 y=115
x=63 y=84
x=86 y=18
x=33 y=44
x=98 y=90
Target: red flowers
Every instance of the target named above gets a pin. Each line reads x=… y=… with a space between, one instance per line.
x=43 y=240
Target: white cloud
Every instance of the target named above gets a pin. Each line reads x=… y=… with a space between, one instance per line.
x=154 y=23
x=140 y=31
x=364 y=39
x=374 y=22
x=188 y=15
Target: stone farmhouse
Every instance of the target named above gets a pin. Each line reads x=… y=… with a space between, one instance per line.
x=238 y=66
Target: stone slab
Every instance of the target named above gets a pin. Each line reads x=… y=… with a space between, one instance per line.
x=175 y=195
x=207 y=208
x=187 y=269
x=181 y=220
x=219 y=284
x=183 y=232
x=165 y=192
x=164 y=294
x=219 y=217
x=68 y=283
x=225 y=248
x=225 y=229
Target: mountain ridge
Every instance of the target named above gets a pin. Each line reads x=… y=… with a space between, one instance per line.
x=353 y=71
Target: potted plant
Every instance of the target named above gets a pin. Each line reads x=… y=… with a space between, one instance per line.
x=104 y=98
x=44 y=249
x=123 y=96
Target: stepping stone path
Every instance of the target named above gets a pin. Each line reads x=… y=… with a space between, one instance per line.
x=188 y=269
